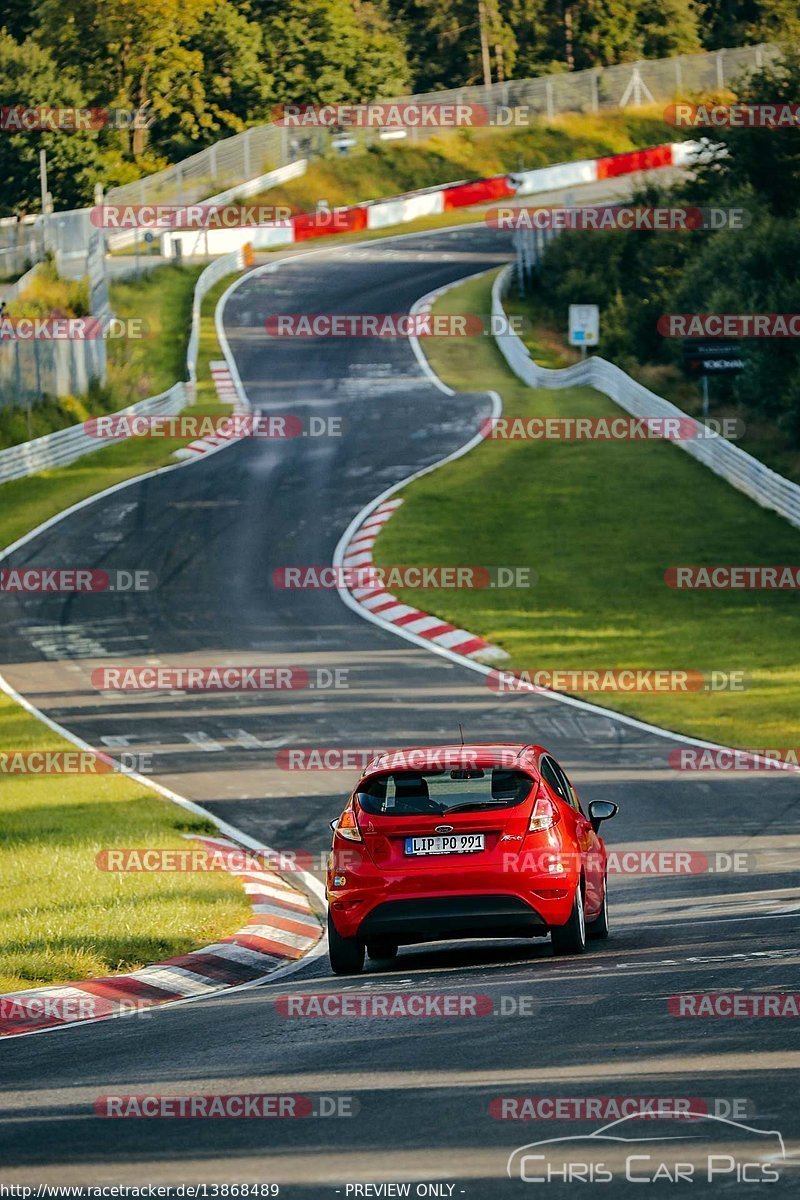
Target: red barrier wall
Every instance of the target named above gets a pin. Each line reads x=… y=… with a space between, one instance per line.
x=635 y=160
x=344 y=220
x=480 y=190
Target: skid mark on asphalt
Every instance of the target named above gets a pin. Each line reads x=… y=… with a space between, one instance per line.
x=547 y=969
x=55 y=642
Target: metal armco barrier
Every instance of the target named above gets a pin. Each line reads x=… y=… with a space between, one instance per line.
x=732 y=464
x=66 y=445
x=431 y=201
x=232 y=162
x=216 y=270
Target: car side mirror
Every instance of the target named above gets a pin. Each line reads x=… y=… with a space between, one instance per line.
x=333 y=824
x=601 y=810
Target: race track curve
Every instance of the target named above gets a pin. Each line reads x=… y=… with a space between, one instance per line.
x=599 y=1026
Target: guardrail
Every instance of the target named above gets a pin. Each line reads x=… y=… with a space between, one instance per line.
x=432 y=201
x=237 y=159
x=232 y=162
x=66 y=445
x=236 y=260
x=736 y=466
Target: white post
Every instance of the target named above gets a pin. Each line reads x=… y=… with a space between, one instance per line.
x=43 y=186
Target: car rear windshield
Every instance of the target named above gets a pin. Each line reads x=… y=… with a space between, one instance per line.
x=415 y=793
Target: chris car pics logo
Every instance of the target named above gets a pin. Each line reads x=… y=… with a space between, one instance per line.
x=710 y=1150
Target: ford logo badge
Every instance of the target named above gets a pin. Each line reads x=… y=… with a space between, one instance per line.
x=443 y=829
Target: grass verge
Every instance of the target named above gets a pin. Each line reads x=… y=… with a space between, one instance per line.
x=600 y=522
x=388 y=169
x=25 y=503
x=62 y=918
x=137 y=367
x=761 y=437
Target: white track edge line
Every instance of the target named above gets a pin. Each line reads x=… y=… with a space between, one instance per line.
x=461 y=660
x=368 y=509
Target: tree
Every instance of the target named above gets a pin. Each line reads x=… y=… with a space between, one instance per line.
x=236 y=83
x=765 y=160
x=667 y=27
x=327 y=51
x=18 y=19
x=30 y=77
x=746 y=22
x=444 y=39
x=544 y=35
x=132 y=54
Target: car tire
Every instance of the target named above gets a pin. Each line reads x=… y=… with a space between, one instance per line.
x=380 y=951
x=571 y=938
x=346 y=955
x=598 y=928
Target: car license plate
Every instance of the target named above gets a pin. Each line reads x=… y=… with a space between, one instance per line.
x=456 y=843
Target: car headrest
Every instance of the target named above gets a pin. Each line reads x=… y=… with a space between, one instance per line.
x=505 y=785
x=411 y=788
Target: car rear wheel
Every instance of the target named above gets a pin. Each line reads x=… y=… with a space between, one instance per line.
x=598 y=928
x=379 y=951
x=346 y=954
x=571 y=938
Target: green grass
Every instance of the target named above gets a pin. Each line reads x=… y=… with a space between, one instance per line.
x=600 y=522
x=389 y=169
x=25 y=503
x=163 y=299
x=546 y=338
x=61 y=918
x=137 y=367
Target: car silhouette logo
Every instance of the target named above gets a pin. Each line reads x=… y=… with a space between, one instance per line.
x=443 y=829
x=615 y=1132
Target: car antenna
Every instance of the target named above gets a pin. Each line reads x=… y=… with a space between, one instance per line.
x=461 y=731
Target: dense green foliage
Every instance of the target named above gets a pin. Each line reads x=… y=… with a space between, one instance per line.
x=635 y=278
x=600 y=521
x=198 y=70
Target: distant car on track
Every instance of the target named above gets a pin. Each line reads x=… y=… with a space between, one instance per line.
x=471 y=841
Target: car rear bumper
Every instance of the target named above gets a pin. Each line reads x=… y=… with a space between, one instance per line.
x=434 y=900
x=439 y=917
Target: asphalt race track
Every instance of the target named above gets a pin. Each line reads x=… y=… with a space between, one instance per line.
x=598 y=1026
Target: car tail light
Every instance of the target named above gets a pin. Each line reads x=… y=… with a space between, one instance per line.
x=348 y=825
x=543 y=816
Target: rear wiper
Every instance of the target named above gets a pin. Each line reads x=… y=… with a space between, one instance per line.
x=469 y=804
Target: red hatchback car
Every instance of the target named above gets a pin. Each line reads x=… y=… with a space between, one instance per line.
x=469 y=841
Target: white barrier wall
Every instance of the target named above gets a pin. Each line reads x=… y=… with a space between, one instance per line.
x=406 y=208
x=207 y=279
x=207 y=243
x=738 y=468
x=66 y=445
x=590 y=170
x=242 y=191
x=547 y=179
